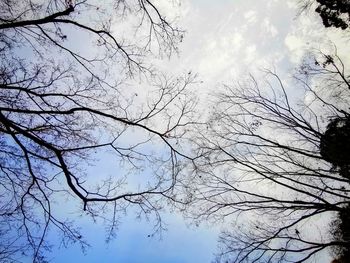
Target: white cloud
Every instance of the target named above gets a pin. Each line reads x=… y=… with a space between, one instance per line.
x=296 y=46
x=250 y=16
x=270 y=29
x=250 y=53
x=237 y=40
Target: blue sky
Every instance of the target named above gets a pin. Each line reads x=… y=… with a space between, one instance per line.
x=225 y=39
x=179 y=244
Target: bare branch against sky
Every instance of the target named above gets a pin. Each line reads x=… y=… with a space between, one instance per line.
x=234 y=114
x=62 y=103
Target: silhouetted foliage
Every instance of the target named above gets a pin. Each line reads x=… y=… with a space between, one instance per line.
x=335 y=144
x=334 y=13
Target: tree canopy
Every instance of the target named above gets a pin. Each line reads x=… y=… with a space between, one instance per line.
x=335 y=144
x=65 y=98
x=266 y=165
x=77 y=82
x=334 y=13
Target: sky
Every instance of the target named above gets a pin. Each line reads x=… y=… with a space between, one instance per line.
x=225 y=40
x=181 y=243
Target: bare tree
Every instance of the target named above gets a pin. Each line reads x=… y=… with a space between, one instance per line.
x=65 y=94
x=262 y=169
